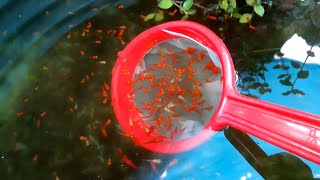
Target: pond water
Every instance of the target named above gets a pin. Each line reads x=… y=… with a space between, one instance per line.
x=57 y=120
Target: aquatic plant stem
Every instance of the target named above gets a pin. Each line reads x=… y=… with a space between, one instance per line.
x=295 y=80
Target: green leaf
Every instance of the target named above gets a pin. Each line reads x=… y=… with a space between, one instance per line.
x=255 y=85
x=286 y=93
x=233 y=3
x=187 y=4
x=245 y=18
x=250 y=2
x=224 y=5
x=297 y=91
x=278 y=66
x=165 y=4
x=159 y=17
x=295 y=64
x=285 y=83
x=248 y=79
x=191 y=11
x=282 y=76
x=185 y=17
x=285 y=67
x=259 y=10
x=310 y=53
x=149 y=16
x=262 y=90
x=236 y=15
x=303 y=74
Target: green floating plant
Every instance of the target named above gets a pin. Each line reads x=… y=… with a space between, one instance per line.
x=186 y=9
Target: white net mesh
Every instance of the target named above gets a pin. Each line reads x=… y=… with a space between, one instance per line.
x=177 y=87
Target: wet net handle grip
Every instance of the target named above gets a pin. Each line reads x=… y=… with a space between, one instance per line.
x=292 y=130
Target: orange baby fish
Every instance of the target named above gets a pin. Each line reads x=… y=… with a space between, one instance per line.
x=197 y=83
x=142 y=17
x=84 y=138
x=180 y=90
x=97 y=42
x=20 y=114
x=120 y=33
x=150 y=77
x=196 y=93
x=172 y=163
x=171 y=89
x=211 y=66
x=45 y=68
x=161 y=52
x=159 y=10
x=106 y=86
x=161 y=65
x=212 y=17
x=202 y=102
x=169 y=124
x=38 y=123
x=43 y=114
x=201 y=55
x=174 y=133
x=107 y=123
x=128 y=161
x=156 y=161
x=161 y=91
x=109 y=161
x=110 y=31
x=172 y=13
x=99 y=31
x=104 y=132
x=157 y=100
x=25 y=100
x=81 y=52
x=94 y=57
x=150 y=130
x=35 y=157
x=175 y=115
x=190 y=50
x=104 y=92
x=158 y=120
x=149 y=108
x=169 y=50
x=89 y=25
x=155 y=140
x=252 y=27
x=208 y=108
x=71 y=110
x=120 y=6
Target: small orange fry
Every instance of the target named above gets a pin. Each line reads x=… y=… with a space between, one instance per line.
x=35 y=157
x=128 y=161
x=43 y=114
x=20 y=114
x=104 y=132
x=212 y=18
x=38 y=123
x=84 y=138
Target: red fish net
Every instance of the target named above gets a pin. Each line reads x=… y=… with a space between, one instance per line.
x=176 y=88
